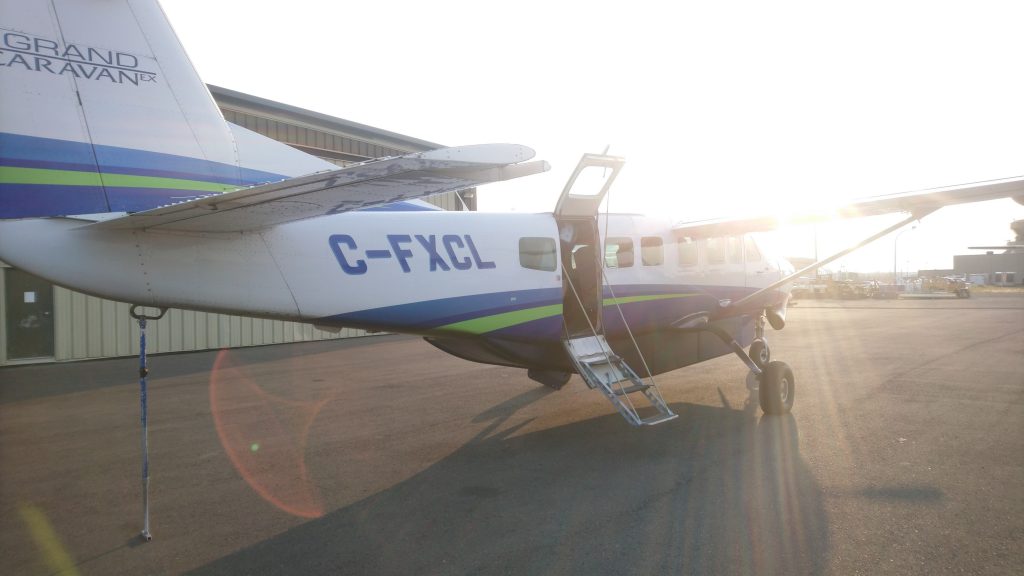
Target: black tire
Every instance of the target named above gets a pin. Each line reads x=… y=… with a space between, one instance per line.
x=760 y=353
x=777 y=388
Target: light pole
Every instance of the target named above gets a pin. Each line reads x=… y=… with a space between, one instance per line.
x=894 y=253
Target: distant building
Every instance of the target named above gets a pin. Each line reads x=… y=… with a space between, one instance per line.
x=999 y=265
x=40 y=322
x=936 y=273
x=1006 y=269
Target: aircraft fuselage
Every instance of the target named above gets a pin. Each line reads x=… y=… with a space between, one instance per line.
x=487 y=287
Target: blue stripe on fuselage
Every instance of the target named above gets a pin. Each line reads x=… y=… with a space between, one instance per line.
x=433 y=313
x=422 y=317
x=34 y=152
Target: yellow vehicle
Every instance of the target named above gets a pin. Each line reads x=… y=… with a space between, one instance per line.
x=950 y=284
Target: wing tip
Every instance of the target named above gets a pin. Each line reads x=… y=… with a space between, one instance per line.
x=491 y=154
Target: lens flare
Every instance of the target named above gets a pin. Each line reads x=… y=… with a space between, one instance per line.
x=265 y=437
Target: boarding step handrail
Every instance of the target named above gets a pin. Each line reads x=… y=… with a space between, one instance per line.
x=604 y=370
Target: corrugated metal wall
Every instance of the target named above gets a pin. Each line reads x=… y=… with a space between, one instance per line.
x=340 y=149
x=312 y=140
x=91 y=327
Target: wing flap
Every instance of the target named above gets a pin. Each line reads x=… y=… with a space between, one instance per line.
x=919 y=202
x=355 y=187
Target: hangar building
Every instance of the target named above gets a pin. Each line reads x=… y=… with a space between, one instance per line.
x=40 y=322
x=997 y=266
x=996 y=269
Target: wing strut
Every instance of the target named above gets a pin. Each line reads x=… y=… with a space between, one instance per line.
x=820 y=263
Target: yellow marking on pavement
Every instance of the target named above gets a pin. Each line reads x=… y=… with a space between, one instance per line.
x=57 y=558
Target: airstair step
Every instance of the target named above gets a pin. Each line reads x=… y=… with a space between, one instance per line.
x=658 y=419
x=630 y=389
x=606 y=371
x=599 y=358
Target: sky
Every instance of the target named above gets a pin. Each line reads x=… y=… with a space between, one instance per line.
x=718 y=107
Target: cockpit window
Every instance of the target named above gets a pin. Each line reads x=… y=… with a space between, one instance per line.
x=735 y=249
x=715 y=250
x=751 y=252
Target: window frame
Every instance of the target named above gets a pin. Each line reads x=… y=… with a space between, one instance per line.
x=683 y=246
x=713 y=245
x=539 y=255
x=619 y=242
x=646 y=249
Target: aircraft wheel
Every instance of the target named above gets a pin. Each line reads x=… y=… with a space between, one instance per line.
x=760 y=353
x=777 y=388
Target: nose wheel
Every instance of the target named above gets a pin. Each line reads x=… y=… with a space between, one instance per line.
x=760 y=353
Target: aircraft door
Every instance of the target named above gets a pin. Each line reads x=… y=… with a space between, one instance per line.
x=723 y=259
x=582 y=252
x=587 y=186
x=759 y=268
x=29 y=303
x=581 y=276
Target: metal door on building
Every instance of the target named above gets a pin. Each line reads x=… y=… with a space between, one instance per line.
x=29 y=312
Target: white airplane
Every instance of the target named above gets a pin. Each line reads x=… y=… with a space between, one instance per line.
x=120 y=178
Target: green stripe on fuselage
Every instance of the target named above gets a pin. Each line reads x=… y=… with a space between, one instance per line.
x=15 y=175
x=486 y=324
x=631 y=299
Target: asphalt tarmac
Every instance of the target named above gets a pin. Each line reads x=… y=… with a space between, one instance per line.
x=904 y=454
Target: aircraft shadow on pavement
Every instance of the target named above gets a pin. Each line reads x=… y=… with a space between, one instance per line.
x=716 y=492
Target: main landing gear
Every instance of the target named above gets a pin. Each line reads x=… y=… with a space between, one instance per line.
x=775 y=389
x=775 y=382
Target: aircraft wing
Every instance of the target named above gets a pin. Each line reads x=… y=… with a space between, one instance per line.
x=350 y=188
x=917 y=203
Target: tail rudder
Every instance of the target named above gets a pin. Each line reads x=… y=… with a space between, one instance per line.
x=103 y=112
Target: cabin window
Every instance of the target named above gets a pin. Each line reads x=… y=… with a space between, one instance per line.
x=618 y=253
x=538 y=254
x=734 y=247
x=715 y=250
x=687 y=252
x=651 y=250
x=752 y=254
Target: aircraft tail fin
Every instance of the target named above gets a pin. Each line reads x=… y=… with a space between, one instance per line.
x=104 y=112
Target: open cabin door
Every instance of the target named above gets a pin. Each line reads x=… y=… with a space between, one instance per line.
x=587 y=186
x=582 y=252
x=583 y=294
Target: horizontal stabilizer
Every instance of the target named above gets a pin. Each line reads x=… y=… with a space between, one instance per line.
x=365 y=185
x=918 y=203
